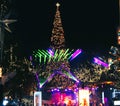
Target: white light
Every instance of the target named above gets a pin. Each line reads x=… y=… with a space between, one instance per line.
x=57 y=4
x=5 y=102
x=103 y=97
x=83 y=97
x=38 y=98
x=117 y=103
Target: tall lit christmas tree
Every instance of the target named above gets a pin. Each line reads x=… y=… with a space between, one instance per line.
x=56 y=58
x=57 y=38
x=58 y=43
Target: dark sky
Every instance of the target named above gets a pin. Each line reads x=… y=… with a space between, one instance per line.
x=88 y=24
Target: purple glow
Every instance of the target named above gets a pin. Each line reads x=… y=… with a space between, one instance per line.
x=30 y=58
x=55 y=90
x=76 y=53
x=50 y=52
x=38 y=80
x=65 y=89
x=98 y=61
x=58 y=90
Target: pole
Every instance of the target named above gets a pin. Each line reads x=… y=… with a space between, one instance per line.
x=1 y=43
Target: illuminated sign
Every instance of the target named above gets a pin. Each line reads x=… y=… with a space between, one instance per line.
x=38 y=98
x=83 y=97
x=117 y=103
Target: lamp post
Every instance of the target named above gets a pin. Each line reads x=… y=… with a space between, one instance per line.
x=1 y=87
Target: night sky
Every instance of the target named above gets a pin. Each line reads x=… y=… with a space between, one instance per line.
x=88 y=24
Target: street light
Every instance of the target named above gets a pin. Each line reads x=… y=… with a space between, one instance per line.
x=0 y=72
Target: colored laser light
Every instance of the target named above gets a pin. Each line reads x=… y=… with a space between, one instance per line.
x=99 y=62
x=50 y=52
x=47 y=80
x=48 y=55
x=75 y=54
